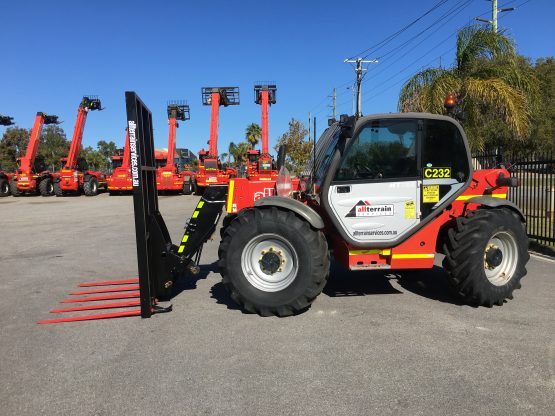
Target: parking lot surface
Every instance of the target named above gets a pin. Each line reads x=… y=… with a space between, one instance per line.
x=374 y=343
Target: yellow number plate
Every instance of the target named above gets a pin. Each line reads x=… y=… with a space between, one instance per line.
x=439 y=173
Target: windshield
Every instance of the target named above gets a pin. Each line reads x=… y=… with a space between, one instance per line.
x=253 y=158
x=211 y=165
x=160 y=163
x=116 y=163
x=325 y=148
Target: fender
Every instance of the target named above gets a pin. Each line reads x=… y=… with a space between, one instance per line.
x=491 y=202
x=297 y=207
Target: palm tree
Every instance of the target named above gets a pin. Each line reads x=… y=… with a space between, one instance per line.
x=253 y=133
x=487 y=80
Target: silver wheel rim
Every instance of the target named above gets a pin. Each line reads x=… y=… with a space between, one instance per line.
x=5 y=188
x=269 y=245
x=49 y=188
x=501 y=274
x=93 y=187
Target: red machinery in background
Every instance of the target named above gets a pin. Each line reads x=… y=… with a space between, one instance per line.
x=120 y=179
x=75 y=175
x=5 y=177
x=261 y=166
x=168 y=176
x=210 y=170
x=27 y=178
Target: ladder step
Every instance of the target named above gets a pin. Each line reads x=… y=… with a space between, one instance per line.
x=106 y=290
x=93 y=307
x=106 y=297
x=135 y=312
x=110 y=282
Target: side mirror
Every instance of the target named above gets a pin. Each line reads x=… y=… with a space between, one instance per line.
x=282 y=151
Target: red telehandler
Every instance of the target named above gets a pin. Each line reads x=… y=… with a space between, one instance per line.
x=168 y=176
x=387 y=191
x=26 y=179
x=120 y=179
x=210 y=170
x=261 y=166
x=74 y=176
x=5 y=178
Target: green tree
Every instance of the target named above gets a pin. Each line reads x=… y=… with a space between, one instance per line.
x=53 y=147
x=13 y=144
x=543 y=131
x=491 y=83
x=298 y=149
x=253 y=134
x=239 y=152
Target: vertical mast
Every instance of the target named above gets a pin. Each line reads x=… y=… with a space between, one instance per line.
x=265 y=95
x=215 y=97
x=213 y=149
x=87 y=103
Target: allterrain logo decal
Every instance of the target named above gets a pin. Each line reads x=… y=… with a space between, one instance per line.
x=133 y=152
x=365 y=209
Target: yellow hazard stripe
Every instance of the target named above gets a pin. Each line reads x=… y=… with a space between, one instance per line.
x=195 y=214
x=413 y=256
x=185 y=238
x=230 y=195
x=466 y=197
x=181 y=248
x=200 y=205
x=357 y=252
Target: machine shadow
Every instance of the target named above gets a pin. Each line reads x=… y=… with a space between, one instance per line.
x=189 y=281
x=429 y=283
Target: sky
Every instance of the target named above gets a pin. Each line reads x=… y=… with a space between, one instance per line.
x=56 y=52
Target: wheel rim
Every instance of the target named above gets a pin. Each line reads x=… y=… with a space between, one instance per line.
x=49 y=188
x=93 y=186
x=500 y=258
x=269 y=262
x=5 y=188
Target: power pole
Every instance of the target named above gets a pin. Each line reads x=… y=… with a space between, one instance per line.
x=494 y=12
x=359 y=70
x=333 y=103
x=309 y=121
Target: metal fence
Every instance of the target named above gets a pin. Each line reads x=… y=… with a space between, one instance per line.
x=536 y=194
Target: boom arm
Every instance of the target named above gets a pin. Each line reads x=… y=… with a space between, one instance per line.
x=215 y=97
x=27 y=162
x=87 y=103
x=177 y=110
x=126 y=154
x=265 y=95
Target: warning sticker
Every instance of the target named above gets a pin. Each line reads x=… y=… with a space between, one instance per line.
x=430 y=193
x=410 y=210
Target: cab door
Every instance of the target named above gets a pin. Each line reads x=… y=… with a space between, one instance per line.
x=375 y=193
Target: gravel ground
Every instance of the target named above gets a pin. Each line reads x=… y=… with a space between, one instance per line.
x=374 y=343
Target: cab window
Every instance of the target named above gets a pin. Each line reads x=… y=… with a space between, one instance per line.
x=383 y=149
x=444 y=154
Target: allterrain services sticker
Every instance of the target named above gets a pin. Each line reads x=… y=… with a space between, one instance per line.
x=365 y=209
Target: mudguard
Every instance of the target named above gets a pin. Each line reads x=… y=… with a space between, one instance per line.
x=491 y=202
x=297 y=207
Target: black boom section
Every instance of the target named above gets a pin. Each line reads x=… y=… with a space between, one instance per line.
x=160 y=262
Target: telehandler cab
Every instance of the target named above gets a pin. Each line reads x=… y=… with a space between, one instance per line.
x=28 y=178
x=387 y=191
x=75 y=175
x=120 y=179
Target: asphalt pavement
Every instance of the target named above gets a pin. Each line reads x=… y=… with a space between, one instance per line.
x=374 y=343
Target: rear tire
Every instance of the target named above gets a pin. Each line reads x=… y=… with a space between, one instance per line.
x=46 y=188
x=90 y=187
x=13 y=189
x=486 y=255
x=187 y=188
x=4 y=188
x=272 y=262
x=58 y=191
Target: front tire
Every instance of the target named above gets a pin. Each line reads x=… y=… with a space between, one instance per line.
x=46 y=188
x=58 y=191
x=90 y=187
x=4 y=188
x=486 y=255
x=13 y=188
x=272 y=262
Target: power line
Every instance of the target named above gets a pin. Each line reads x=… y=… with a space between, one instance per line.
x=372 y=49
